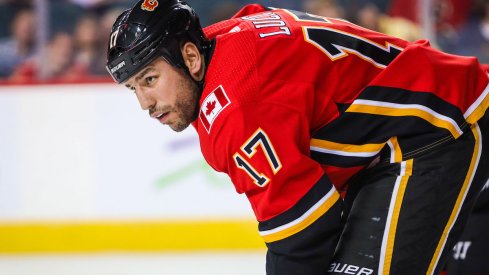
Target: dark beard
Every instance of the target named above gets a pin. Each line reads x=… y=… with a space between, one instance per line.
x=187 y=104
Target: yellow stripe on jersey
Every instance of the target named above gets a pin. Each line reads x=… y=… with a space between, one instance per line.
x=400 y=110
x=365 y=150
x=396 y=152
x=474 y=163
x=308 y=218
x=478 y=108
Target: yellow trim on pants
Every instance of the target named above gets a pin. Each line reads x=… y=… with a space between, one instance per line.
x=460 y=200
x=395 y=216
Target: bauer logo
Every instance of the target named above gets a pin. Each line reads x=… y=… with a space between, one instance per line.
x=149 y=5
x=118 y=67
x=340 y=268
x=212 y=106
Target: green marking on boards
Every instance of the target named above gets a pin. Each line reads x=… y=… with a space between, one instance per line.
x=190 y=169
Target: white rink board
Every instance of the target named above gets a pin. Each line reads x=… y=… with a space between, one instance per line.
x=74 y=152
x=235 y=263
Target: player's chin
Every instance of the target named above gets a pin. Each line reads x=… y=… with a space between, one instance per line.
x=179 y=126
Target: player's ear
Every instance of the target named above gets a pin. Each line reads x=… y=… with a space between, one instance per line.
x=193 y=60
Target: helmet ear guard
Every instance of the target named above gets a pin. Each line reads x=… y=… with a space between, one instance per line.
x=140 y=36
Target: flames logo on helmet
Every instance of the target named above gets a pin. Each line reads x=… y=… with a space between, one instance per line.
x=149 y=5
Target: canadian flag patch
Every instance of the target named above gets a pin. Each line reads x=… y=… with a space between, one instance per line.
x=212 y=106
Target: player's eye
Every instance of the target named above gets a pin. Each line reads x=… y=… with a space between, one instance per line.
x=150 y=80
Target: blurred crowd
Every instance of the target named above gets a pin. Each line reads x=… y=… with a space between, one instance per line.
x=76 y=31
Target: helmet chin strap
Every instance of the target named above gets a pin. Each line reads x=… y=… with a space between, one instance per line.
x=208 y=51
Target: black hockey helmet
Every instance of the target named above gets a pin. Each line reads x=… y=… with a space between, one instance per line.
x=152 y=28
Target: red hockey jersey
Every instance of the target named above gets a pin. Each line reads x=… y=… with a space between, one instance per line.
x=291 y=96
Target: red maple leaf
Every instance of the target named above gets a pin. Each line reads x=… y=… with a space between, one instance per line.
x=210 y=106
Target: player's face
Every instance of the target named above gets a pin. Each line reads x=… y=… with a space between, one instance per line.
x=169 y=95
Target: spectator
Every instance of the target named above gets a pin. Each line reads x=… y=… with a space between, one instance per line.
x=447 y=13
x=20 y=45
x=370 y=17
x=57 y=63
x=87 y=44
x=326 y=8
x=94 y=6
x=224 y=11
x=473 y=38
x=89 y=3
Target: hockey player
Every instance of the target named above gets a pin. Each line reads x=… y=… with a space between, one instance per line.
x=296 y=107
